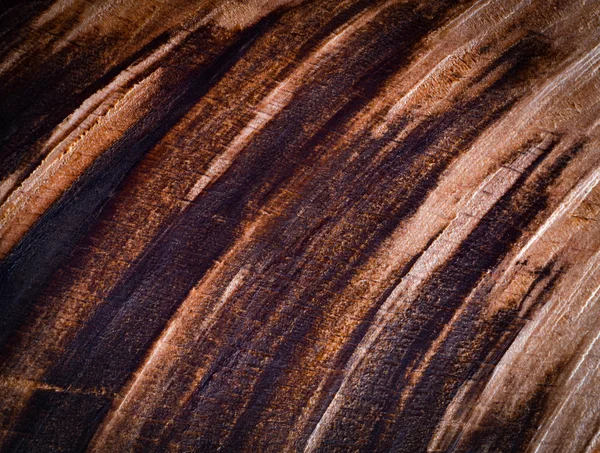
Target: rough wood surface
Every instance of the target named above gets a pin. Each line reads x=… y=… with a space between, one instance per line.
x=334 y=225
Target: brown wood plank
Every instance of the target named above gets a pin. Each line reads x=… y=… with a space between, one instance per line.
x=273 y=225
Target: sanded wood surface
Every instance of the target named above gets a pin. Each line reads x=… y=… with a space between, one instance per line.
x=300 y=226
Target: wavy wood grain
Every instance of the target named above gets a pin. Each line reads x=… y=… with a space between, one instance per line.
x=283 y=225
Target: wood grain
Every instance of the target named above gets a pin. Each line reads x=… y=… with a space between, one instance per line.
x=273 y=225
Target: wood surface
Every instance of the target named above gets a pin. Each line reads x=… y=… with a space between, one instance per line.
x=300 y=226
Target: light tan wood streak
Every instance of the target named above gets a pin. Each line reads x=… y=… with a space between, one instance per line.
x=65 y=164
x=562 y=331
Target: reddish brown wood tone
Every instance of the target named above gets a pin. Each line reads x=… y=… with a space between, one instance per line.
x=301 y=226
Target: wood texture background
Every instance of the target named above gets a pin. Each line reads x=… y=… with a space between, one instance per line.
x=309 y=226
